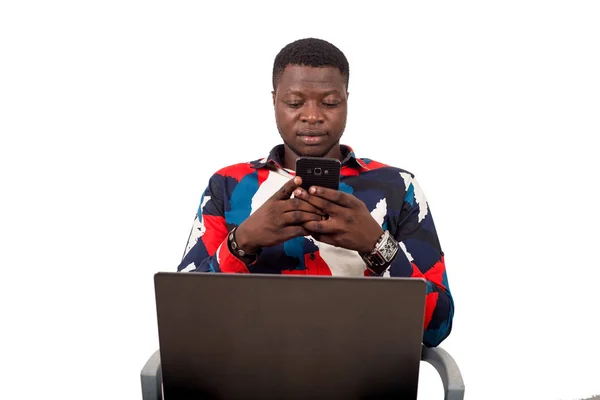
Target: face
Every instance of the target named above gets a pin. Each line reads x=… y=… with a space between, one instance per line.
x=310 y=111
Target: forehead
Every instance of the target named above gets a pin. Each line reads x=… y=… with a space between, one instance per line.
x=303 y=78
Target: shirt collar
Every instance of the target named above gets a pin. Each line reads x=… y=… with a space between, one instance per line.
x=275 y=158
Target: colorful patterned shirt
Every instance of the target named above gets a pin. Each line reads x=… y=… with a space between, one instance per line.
x=392 y=195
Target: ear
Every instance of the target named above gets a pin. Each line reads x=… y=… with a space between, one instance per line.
x=273 y=94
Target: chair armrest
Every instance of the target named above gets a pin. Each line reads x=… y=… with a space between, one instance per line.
x=454 y=387
x=152 y=378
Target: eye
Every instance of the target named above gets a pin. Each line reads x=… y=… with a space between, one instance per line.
x=293 y=104
x=329 y=104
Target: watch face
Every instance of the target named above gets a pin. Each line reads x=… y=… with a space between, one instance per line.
x=388 y=249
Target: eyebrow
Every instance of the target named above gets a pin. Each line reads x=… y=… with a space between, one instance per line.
x=326 y=93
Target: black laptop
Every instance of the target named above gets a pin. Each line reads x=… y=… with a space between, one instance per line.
x=250 y=336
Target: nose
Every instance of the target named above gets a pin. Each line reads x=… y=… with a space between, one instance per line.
x=312 y=113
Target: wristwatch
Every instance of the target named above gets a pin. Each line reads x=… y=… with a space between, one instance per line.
x=382 y=255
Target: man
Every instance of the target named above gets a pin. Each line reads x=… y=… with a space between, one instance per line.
x=254 y=217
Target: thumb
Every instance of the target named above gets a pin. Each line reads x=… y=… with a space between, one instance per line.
x=287 y=189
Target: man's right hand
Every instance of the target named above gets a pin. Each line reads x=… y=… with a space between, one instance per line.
x=279 y=219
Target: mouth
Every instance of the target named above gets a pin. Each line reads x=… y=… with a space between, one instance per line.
x=312 y=137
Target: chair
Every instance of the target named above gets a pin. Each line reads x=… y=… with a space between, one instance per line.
x=454 y=388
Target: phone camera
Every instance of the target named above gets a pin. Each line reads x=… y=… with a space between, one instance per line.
x=318 y=171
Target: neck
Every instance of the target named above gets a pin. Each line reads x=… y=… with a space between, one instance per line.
x=290 y=157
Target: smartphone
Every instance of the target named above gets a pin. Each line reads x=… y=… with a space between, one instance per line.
x=319 y=171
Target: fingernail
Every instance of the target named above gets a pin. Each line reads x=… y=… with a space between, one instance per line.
x=313 y=190
x=298 y=192
x=297 y=180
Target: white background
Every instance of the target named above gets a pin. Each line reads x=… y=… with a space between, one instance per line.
x=114 y=114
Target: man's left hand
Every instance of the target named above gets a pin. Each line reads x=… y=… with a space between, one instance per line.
x=349 y=224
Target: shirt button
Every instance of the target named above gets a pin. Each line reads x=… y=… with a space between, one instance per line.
x=312 y=256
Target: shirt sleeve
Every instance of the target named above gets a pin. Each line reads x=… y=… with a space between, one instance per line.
x=421 y=256
x=207 y=249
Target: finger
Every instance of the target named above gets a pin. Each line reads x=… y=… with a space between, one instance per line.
x=299 y=217
x=334 y=196
x=297 y=204
x=290 y=232
x=325 y=206
x=321 y=227
x=287 y=189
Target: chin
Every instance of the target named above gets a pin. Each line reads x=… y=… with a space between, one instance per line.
x=314 y=151
x=303 y=150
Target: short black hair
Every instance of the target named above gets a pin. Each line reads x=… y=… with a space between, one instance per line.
x=310 y=52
